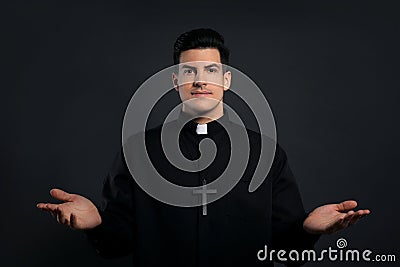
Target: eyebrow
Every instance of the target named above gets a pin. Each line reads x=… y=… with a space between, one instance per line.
x=206 y=67
x=188 y=67
x=212 y=65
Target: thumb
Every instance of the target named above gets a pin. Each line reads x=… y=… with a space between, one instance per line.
x=61 y=195
x=347 y=205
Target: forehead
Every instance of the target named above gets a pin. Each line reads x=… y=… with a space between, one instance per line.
x=203 y=54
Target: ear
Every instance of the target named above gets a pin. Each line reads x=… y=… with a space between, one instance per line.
x=227 y=80
x=175 y=81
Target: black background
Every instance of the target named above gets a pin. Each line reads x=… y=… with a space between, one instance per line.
x=329 y=72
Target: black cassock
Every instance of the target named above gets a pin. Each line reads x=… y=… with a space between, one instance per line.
x=227 y=232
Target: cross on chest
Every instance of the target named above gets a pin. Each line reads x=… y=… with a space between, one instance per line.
x=204 y=191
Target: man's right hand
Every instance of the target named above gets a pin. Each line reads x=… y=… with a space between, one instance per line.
x=77 y=211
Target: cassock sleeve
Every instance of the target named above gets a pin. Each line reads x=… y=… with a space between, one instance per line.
x=288 y=212
x=114 y=237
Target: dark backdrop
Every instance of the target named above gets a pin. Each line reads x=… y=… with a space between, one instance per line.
x=329 y=71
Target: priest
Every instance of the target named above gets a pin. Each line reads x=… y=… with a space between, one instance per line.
x=227 y=232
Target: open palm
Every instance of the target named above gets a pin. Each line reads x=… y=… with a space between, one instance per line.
x=330 y=218
x=77 y=211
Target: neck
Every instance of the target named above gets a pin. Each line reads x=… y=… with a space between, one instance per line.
x=211 y=115
x=204 y=120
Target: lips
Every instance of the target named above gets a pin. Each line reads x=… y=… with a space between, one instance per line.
x=201 y=93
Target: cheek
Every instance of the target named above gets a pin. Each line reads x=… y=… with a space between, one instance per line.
x=182 y=87
x=185 y=87
x=218 y=91
x=184 y=92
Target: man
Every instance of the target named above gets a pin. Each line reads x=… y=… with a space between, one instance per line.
x=227 y=232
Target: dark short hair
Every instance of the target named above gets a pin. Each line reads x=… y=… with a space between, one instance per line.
x=201 y=38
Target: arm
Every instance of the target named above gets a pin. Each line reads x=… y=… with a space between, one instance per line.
x=109 y=227
x=114 y=237
x=293 y=228
x=288 y=211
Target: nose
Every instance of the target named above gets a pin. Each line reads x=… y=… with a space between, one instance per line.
x=199 y=81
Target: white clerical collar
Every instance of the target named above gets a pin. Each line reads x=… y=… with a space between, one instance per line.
x=201 y=129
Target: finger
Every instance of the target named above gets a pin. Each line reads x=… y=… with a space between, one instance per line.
x=336 y=225
x=51 y=206
x=361 y=213
x=64 y=220
x=355 y=219
x=61 y=195
x=40 y=205
x=63 y=216
x=366 y=212
x=73 y=221
x=341 y=222
x=346 y=205
x=54 y=214
x=47 y=206
x=358 y=216
x=349 y=216
x=43 y=207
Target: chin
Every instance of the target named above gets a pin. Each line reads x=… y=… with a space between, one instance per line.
x=201 y=105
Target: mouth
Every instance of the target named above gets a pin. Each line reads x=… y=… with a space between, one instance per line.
x=201 y=93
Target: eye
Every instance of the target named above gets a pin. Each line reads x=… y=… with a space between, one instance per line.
x=212 y=70
x=188 y=71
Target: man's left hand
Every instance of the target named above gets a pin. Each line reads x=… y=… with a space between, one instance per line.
x=330 y=218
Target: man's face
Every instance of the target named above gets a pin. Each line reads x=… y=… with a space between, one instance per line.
x=201 y=80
